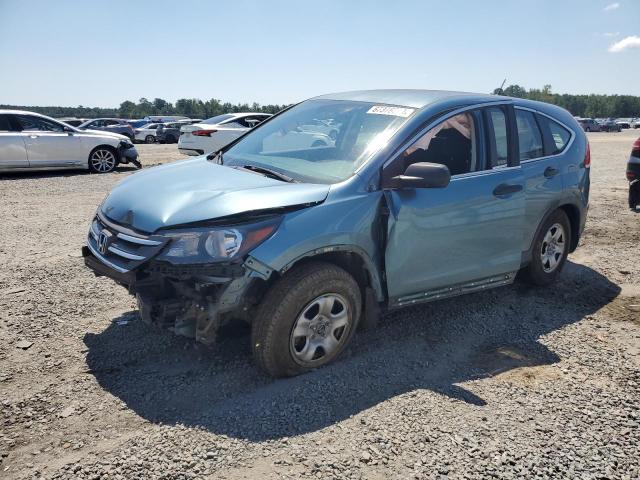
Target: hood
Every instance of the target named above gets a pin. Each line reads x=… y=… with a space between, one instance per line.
x=196 y=190
x=102 y=133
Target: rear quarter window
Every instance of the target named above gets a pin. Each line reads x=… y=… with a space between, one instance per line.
x=559 y=135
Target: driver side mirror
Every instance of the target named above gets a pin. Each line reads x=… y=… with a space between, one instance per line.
x=68 y=130
x=423 y=175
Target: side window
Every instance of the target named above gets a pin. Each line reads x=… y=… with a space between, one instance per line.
x=559 y=135
x=5 y=126
x=237 y=123
x=36 y=124
x=451 y=143
x=497 y=138
x=529 y=136
x=110 y=122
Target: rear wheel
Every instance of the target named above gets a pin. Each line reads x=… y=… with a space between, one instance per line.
x=102 y=160
x=550 y=250
x=149 y=139
x=305 y=320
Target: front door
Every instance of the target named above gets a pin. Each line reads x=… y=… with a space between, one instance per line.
x=49 y=145
x=13 y=153
x=468 y=235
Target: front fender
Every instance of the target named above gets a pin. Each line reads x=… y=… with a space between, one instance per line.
x=345 y=224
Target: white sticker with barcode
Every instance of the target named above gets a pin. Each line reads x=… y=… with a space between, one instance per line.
x=393 y=111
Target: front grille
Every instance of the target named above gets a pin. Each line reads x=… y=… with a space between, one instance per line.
x=120 y=248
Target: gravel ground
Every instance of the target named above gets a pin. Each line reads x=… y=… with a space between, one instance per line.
x=514 y=382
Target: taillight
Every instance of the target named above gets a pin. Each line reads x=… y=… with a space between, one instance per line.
x=587 y=156
x=635 y=150
x=631 y=176
x=203 y=133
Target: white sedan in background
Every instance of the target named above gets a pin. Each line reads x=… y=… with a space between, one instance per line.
x=32 y=141
x=146 y=133
x=216 y=132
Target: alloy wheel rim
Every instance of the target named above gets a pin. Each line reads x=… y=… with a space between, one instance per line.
x=320 y=329
x=103 y=160
x=552 y=248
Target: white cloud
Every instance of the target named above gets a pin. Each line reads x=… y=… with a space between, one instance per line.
x=632 y=41
x=611 y=34
x=611 y=6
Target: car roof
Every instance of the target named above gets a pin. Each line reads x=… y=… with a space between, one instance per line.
x=407 y=97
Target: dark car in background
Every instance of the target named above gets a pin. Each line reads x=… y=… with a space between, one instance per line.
x=609 y=125
x=74 y=122
x=113 y=125
x=633 y=175
x=589 y=125
x=169 y=132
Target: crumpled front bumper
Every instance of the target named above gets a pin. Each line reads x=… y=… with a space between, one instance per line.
x=191 y=300
x=128 y=154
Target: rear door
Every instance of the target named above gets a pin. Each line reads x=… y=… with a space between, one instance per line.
x=48 y=144
x=466 y=236
x=13 y=151
x=541 y=167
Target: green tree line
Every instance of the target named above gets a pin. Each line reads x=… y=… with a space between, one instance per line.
x=579 y=105
x=594 y=106
x=190 y=107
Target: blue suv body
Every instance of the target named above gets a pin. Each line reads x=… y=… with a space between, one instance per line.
x=420 y=195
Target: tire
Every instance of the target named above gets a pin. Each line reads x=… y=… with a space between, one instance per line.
x=149 y=139
x=547 y=260
x=170 y=139
x=102 y=159
x=634 y=194
x=319 y=301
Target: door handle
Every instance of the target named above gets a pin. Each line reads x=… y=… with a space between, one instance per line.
x=506 y=189
x=550 y=172
x=33 y=136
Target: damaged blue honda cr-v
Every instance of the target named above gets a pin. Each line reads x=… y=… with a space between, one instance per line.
x=342 y=207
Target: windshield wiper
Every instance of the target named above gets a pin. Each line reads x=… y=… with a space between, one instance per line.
x=216 y=156
x=269 y=173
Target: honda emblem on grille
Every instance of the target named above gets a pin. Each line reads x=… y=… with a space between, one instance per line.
x=104 y=239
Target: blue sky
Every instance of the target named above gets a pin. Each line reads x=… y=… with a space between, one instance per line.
x=99 y=53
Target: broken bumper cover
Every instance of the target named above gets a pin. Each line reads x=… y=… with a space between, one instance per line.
x=190 y=300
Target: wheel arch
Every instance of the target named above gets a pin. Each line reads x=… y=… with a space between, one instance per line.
x=105 y=146
x=573 y=214
x=351 y=258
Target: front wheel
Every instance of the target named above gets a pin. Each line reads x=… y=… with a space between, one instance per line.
x=149 y=139
x=305 y=320
x=102 y=160
x=550 y=250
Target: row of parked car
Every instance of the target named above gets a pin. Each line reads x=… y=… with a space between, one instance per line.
x=607 y=124
x=197 y=136
x=161 y=129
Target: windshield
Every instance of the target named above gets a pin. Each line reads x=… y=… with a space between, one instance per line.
x=319 y=141
x=217 y=119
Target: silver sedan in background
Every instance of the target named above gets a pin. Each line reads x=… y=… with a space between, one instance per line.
x=32 y=141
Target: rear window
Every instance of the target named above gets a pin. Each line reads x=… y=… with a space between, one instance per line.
x=529 y=136
x=217 y=119
x=560 y=136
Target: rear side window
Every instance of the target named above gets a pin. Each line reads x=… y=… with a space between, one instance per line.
x=498 y=144
x=559 y=135
x=529 y=136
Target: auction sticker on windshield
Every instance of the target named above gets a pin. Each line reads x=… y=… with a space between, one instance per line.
x=388 y=110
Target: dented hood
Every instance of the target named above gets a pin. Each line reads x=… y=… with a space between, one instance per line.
x=197 y=190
